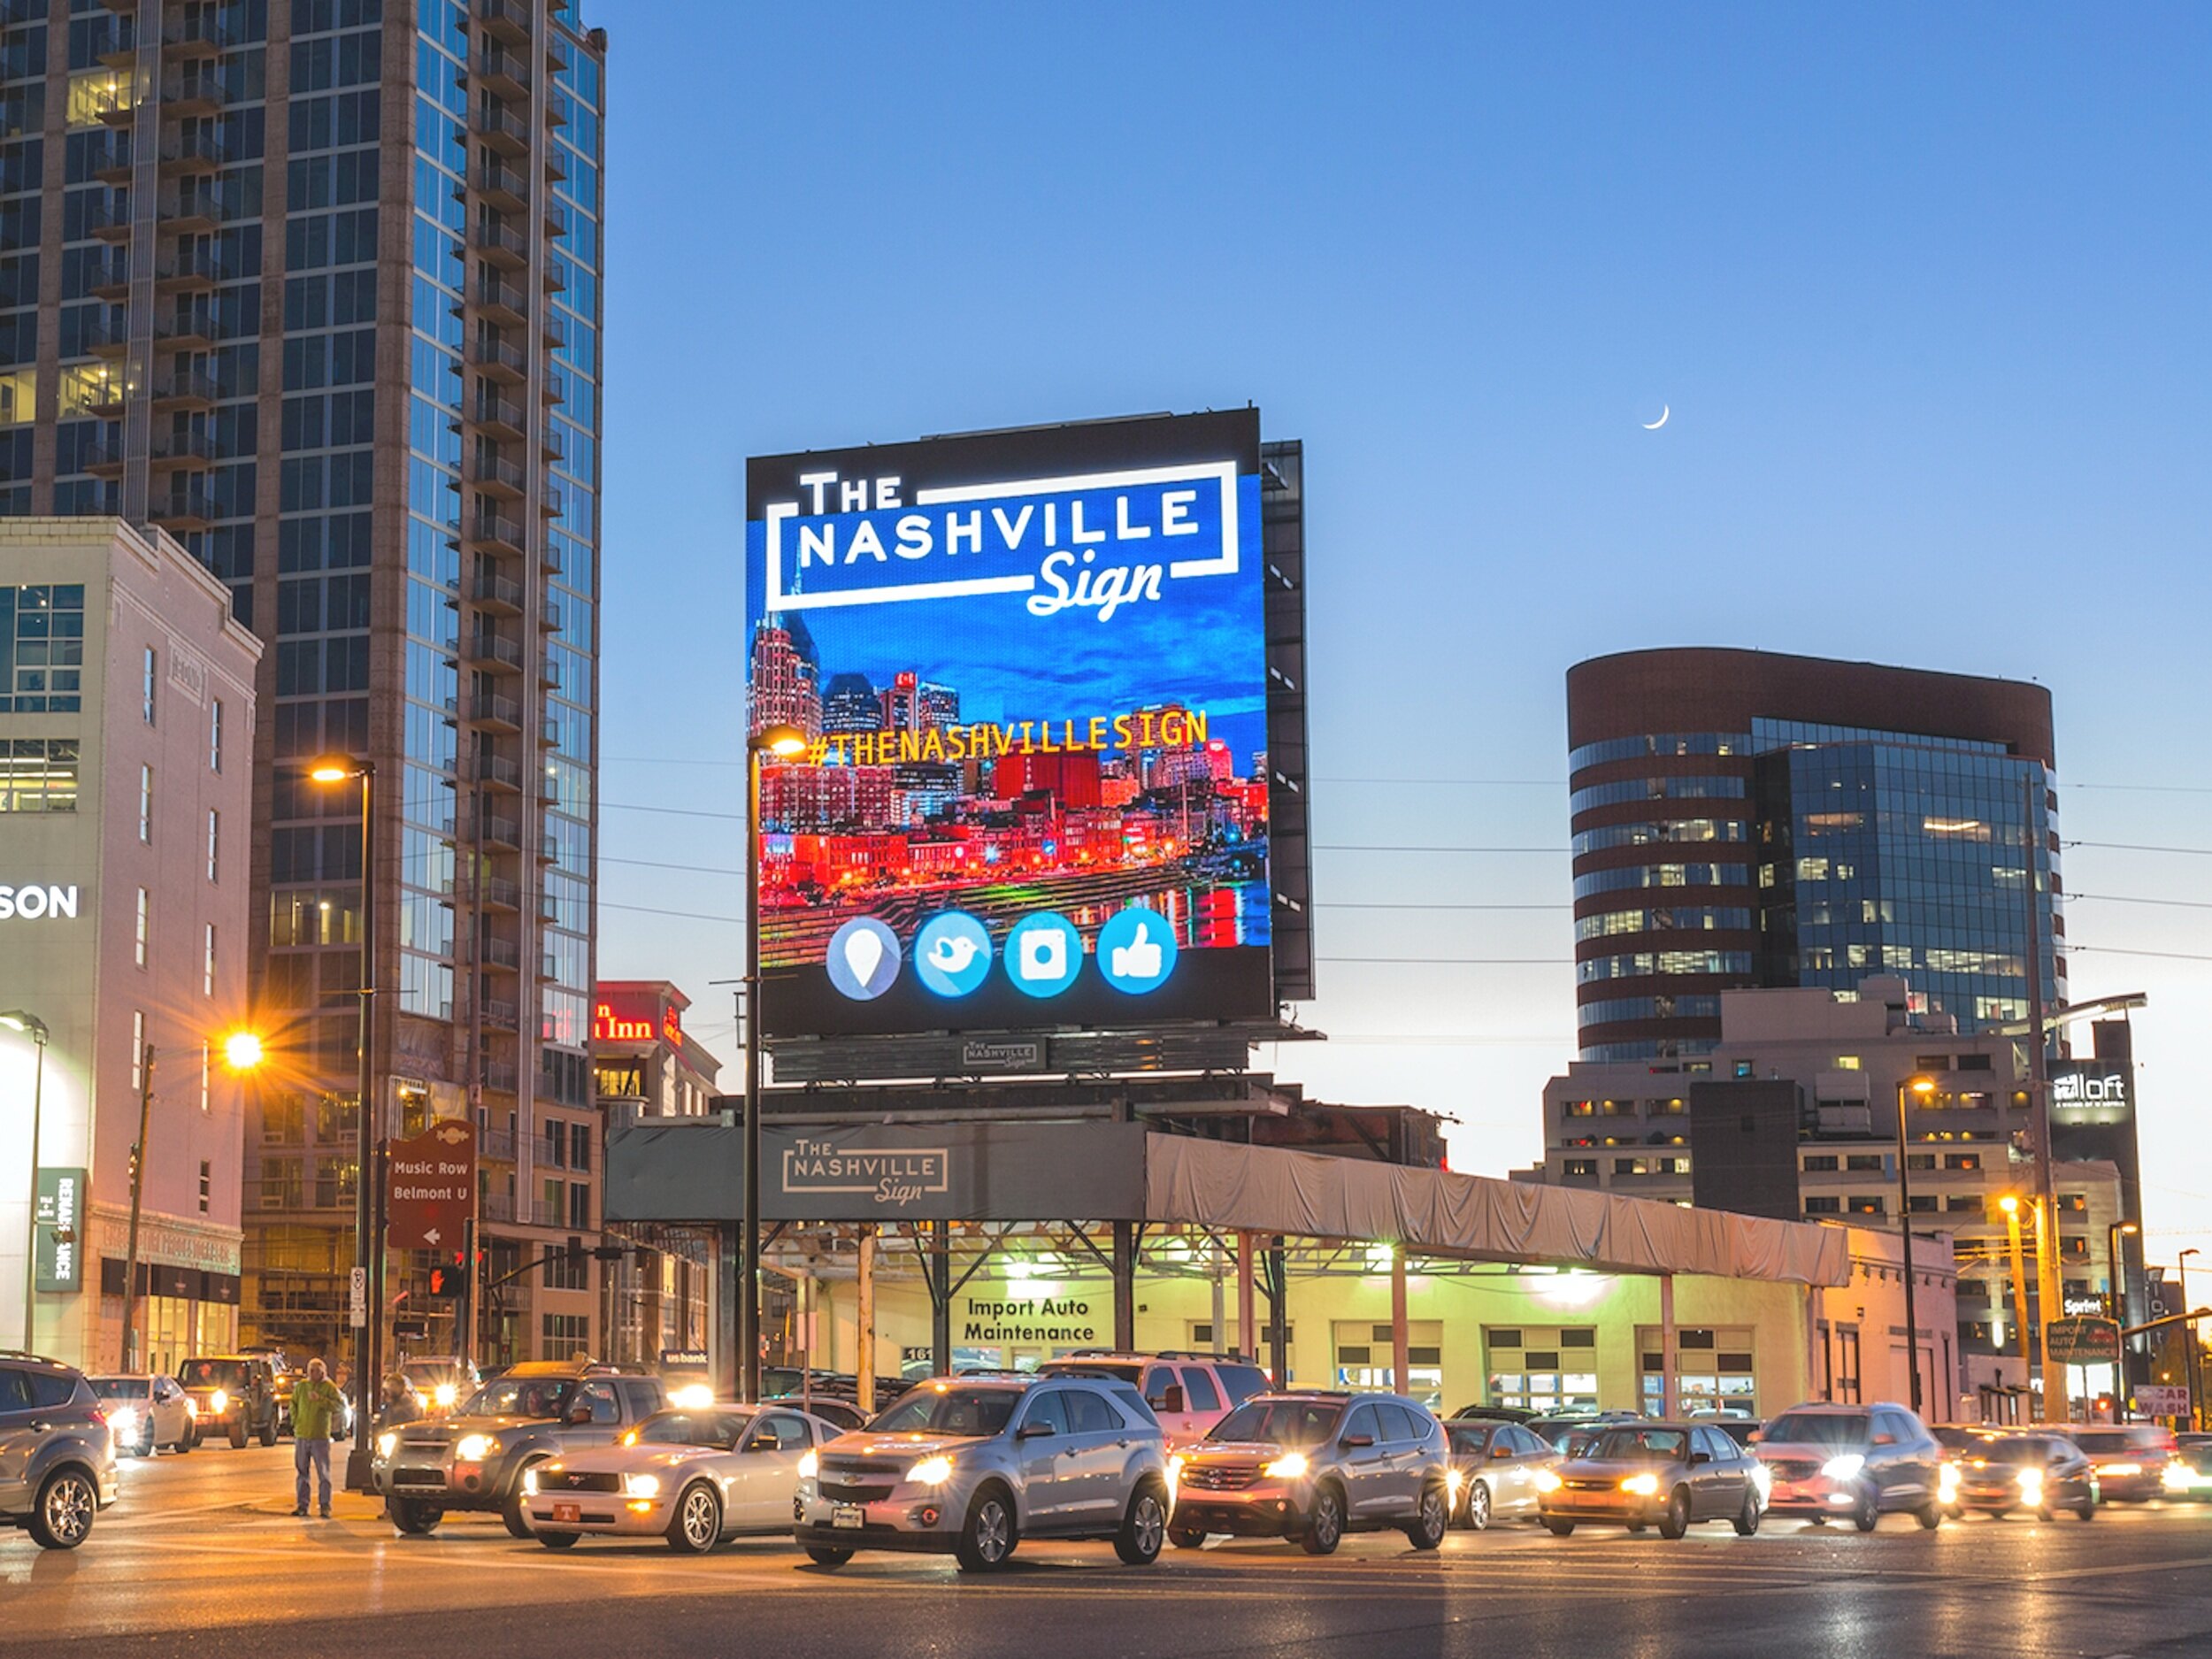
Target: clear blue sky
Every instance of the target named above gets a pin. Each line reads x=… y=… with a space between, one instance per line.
x=1925 y=287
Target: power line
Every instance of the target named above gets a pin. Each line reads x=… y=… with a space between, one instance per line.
x=676 y=811
x=1333 y=904
x=2131 y=847
x=648 y=910
x=2129 y=898
x=1460 y=962
x=2118 y=951
x=1347 y=847
x=648 y=863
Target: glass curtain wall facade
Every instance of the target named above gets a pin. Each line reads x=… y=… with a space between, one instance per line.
x=326 y=283
x=1732 y=827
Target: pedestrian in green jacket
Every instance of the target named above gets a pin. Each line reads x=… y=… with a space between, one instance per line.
x=316 y=1405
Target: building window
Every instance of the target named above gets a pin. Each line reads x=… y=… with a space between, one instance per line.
x=149 y=677
x=215 y=735
x=565 y=1335
x=1824 y=1206
x=214 y=842
x=38 y=774
x=1864 y=1204
x=1863 y=1161
x=1962 y=1160
x=1713 y=1371
x=1820 y=1162
x=1581 y=1166
x=143 y=919
x=146 y=804
x=580 y=1146
x=207 y=1184
x=138 y=1037
x=556 y=1147
x=579 y=1204
x=42 y=648
x=334 y=1182
x=565 y=1269
x=283 y=1183
x=207 y=977
x=1524 y=1369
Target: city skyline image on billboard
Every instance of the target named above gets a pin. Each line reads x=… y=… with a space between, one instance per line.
x=1031 y=669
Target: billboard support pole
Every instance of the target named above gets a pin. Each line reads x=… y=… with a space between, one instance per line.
x=939 y=1267
x=748 y=1222
x=1125 y=1286
x=864 y=1320
x=1248 y=1334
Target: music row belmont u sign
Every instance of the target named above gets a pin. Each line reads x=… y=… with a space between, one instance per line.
x=430 y=1182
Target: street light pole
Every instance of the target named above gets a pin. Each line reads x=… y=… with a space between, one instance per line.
x=1923 y=1086
x=367 y=1246
x=2118 y=1297
x=32 y=1027
x=2189 y=1336
x=138 y=1180
x=784 y=742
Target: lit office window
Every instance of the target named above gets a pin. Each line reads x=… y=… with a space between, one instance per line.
x=215 y=735
x=144 y=918
x=207 y=977
x=146 y=681
x=146 y=804
x=214 y=841
x=138 y=1043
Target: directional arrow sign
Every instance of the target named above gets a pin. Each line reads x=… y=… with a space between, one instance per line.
x=431 y=1187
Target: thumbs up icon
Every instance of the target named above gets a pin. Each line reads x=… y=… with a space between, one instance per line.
x=1138 y=959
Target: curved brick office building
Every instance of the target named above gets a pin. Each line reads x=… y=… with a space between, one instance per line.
x=1747 y=818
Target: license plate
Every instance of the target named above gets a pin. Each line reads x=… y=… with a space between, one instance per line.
x=846 y=1515
x=570 y=1514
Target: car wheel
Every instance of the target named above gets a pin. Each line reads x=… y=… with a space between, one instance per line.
x=822 y=1556
x=696 y=1526
x=986 y=1537
x=238 y=1435
x=511 y=1511
x=185 y=1442
x=1676 y=1521
x=1186 y=1537
x=411 y=1517
x=1477 y=1509
x=1640 y=1526
x=1325 y=1527
x=2086 y=1509
x=559 y=1540
x=1432 y=1520
x=1931 y=1518
x=1559 y=1529
x=145 y=1447
x=63 y=1515
x=1747 y=1521
x=1866 y=1514
x=269 y=1433
x=1144 y=1529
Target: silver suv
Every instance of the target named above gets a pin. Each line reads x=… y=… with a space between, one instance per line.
x=57 y=1452
x=1855 y=1463
x=975 y=1465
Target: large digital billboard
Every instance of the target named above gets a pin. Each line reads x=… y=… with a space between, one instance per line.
x=1031 y=668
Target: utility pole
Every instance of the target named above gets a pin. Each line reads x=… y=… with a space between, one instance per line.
x=2039 y=1103
x=138 y=1173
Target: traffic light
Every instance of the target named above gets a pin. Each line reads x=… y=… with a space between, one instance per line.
x=448 y=1279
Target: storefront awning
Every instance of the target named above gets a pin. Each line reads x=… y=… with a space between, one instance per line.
x=1434 y=1212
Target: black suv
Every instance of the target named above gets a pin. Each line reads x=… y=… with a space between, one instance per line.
x=476 y=1458
x=57 y=1453
x=237 y=1395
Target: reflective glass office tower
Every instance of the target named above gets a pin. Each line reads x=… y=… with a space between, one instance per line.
x=325 y=277
x=1749 y=818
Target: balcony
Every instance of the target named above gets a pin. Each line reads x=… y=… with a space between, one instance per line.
x=502 y=593
x=197 y=33
x=502 y=1077
x=499 y=242
x=555 y=169
x=184 y=389
x=494 y=475
x=502 y=1015
x=498 y=360
x=192 y=265
x=193 y=89
x=500 y=832
x=556 y=217
x=192 y=149
x=187 y=328
x=501 y=73
x=108 y=336
x=489 y=712
x=497 y=772
x=502 y=953
x=185 y=451
x=108 y=399
x=489 y=650
x=497 y=533
x=500 y=300
x=500 y=417
x=188 y=212
x=507 y=21
x=103 y=459
x=496 y=893
x=108 y=219
x=554 y=331
x=500 y=127
x=500 y=186
x=552 y=502
x=496 y=1146
x=107 y=276
x=111 y=161
x=117 y=50
x=182 y=510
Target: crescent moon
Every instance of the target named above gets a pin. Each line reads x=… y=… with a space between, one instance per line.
x=1654 y=426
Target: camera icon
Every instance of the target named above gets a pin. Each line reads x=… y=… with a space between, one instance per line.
x=1043 y=954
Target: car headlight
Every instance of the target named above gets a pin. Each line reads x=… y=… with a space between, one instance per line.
x=931 y=1472
x=473 y=1449
x=1947 y=1482
x=445 y=1393
x=2121 y=1469
x=1762 y=1479
x=693 y=1397
x=1289 y=1466
x=2174 y=1477
x=2031 y=1484
x=640 y=1485
x=1175 y=1467
x=530 y=1483
x=1453 y=1482
x=191 y=1408
x=1844 y=1468
x=386 y=1443
x=1549 y=1480
x=125 y=1423
x=1641 y=1486
x=219 y=1402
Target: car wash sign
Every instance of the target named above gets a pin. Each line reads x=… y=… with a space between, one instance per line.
x=58 y=1226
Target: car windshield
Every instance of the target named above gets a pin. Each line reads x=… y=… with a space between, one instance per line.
x=118 y=1388
x=213 y=1373
x=948 y=1410
x=1639 y=1446
x=1817 y=1428
x=1474 y=1440
x=1281 y=1422
x=428 y=1370
x=522 y=1397
x=2030 y=1451
x=2104 y=1444
x=694 y=1428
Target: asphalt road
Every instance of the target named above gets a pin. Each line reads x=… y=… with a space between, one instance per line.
x=202 y=1556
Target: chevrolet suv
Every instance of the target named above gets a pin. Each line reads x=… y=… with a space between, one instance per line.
x=57 y=1452
x=1312 y=1466
x=974 y=1464
x=1859 y=1462
x=1188 y=1393
x=476 y=1458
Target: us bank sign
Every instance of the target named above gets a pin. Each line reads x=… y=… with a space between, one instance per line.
x=37 y=901
x=892 y=1176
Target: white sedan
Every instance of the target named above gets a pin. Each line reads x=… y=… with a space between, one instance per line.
x=694 y=1476
x=144 y=1412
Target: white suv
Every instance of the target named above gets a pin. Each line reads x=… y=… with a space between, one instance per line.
x=1188 y=1393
